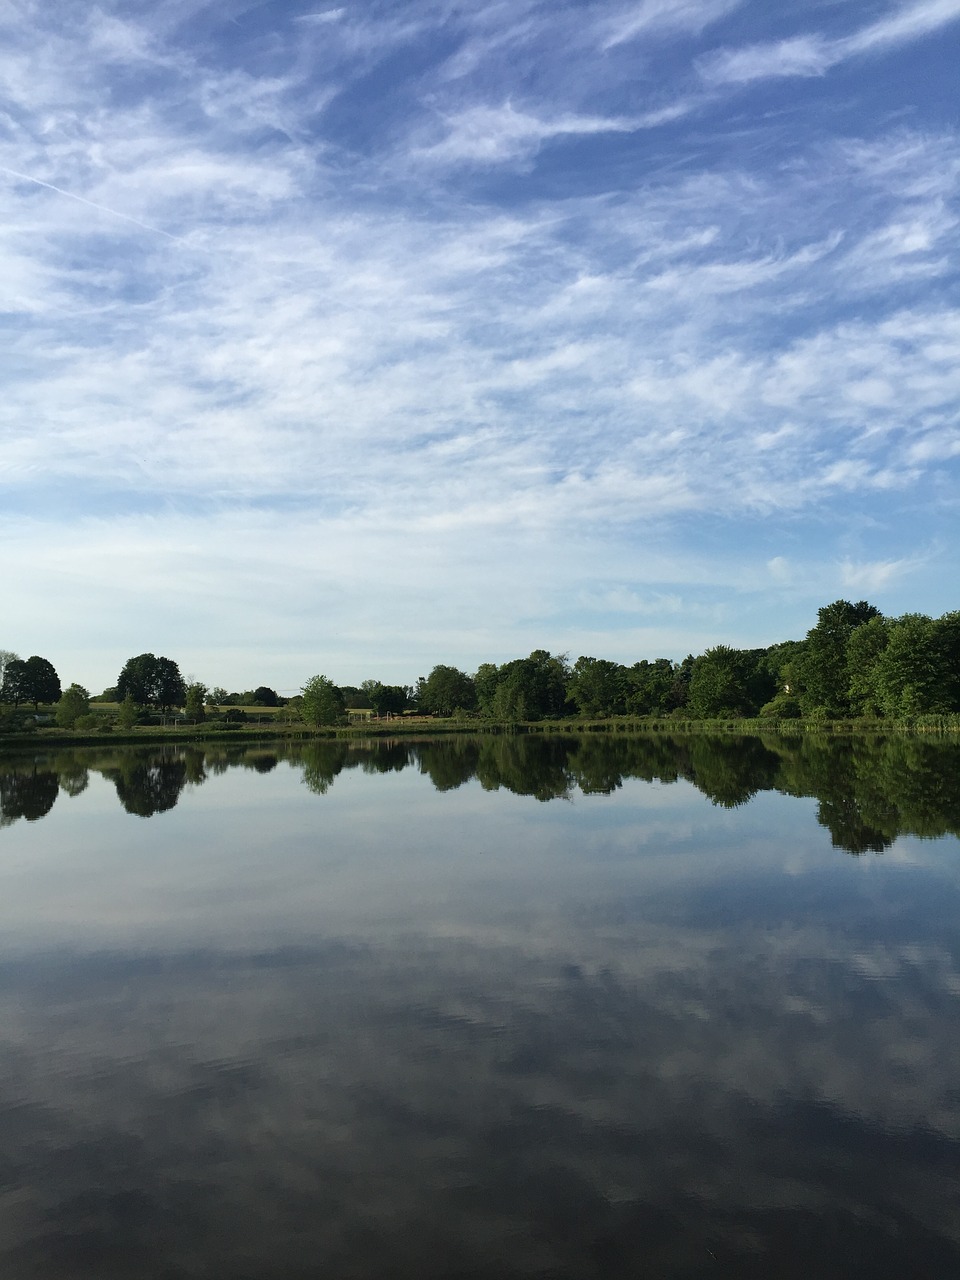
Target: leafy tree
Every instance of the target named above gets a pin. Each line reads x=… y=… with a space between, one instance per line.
x=14 y=682
x=530 y=688
x=913 y=673
x=74 y=702
x=194 y=705
x=485 y=686
x=129 y=713
x=823 y=670
x=386 y=699
x=6 y=657
x=263 y=696
x=217 y=697
x=170 y=689
x=653 y=688
x=598 y=687
x=35 y=681
x=729 y=682
x=864 y=650
x=321 y=702
x=445 y=690
x=152 y=681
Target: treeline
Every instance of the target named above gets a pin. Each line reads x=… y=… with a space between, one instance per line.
x=853 y=663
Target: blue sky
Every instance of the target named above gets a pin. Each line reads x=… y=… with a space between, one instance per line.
x=359 y=338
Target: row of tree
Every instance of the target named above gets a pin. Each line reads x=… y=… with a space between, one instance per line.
x=854 y=662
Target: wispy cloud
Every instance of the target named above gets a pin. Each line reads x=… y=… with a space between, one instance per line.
x=663 y=16
x=446 y=291
x=815 y=54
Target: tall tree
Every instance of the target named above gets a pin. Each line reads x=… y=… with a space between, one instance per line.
x=6 y=657
x=864 y=650
x=912 y=672
x=40 y=681
x=598 y=686
x=152 y=681
x=446 y=690
x=721 y=684
x=14 y=684
x=321 y=702
x=194 y=703
x=74 y=703
x=824 y=677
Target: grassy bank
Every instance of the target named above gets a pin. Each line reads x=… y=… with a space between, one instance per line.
x=264 y=727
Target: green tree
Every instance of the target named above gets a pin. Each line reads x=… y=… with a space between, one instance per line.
x=864 y=650
x=446 y=690
x=913 y=673
x=35 y=681
x=152 y=681
x=14 y=684
x=74 y=702
x=194 y=705
x=598 y=687
x=264 y=696
x=654 y=688
x=823 y=672
x=729 y=682
x=6 y=657
x=485 y=686
x=321 y=702
x=129 y=713
x=386 y=699
x=531 y=688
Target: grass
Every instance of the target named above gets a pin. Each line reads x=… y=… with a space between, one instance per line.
x=275 y=723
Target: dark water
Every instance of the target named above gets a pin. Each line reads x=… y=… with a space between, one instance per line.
x=498 y=1007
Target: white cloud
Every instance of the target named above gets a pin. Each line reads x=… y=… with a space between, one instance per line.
x=490 y=135
x=814 y=54
x=799 y=56
x=876 y=575
x=220 y=310
x=661 y=16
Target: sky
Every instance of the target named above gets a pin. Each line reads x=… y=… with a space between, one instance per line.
x=352 y=340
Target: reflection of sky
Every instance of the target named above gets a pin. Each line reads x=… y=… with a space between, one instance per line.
x=473 y=1034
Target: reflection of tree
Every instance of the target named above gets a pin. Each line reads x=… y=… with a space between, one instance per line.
x=385 y=757
x=731 y=770
x=74 y=775
x=321 y=762
x=27 y=793
x=528 y=765
x=146 y=786
x=842 y=817
x=869 y=790
x=450 y=762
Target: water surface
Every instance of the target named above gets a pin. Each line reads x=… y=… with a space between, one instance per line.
x=484 y=1007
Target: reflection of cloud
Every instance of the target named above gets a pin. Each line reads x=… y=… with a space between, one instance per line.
x=442 y=1105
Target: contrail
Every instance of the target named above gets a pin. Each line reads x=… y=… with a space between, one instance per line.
x=92 y=204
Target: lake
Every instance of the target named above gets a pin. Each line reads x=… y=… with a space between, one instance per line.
x=498 y=1006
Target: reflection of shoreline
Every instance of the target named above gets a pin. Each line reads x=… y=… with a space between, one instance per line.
x=870 y=791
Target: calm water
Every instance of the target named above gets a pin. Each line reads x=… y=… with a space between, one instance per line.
x=500 y=1007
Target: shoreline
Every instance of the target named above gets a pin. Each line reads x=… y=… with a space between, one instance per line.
x=941 y=726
